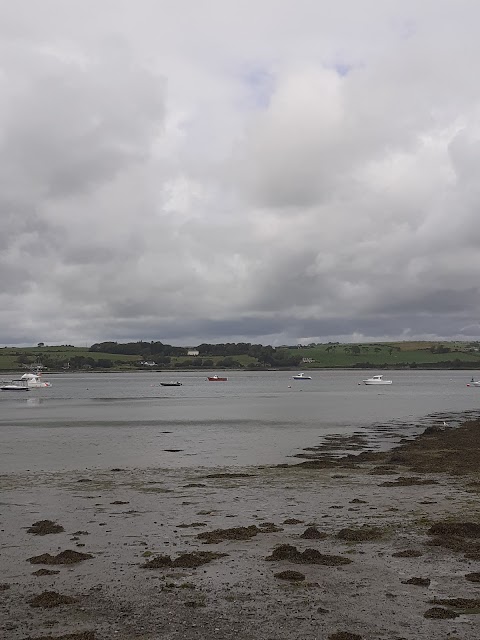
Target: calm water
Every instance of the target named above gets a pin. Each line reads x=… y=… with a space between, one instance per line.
x=129 y=420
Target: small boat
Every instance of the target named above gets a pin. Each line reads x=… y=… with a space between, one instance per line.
x=301 y=376
x=171 y=384
x=15 y=385
x=473 y=383
x=34 y=380
x=377 y=380
x=216 y=378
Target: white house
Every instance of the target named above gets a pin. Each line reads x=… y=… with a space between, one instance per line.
x=193 y=352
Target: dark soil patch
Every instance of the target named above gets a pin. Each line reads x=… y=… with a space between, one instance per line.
x=64 y=557
x=50 y=599
x=407 y=553
x=82 y=635
x=292 y=521
x=193 y=525
x=309 y=556
x=312 y=533
x=473 y=577
x=174 y=450
x=290 y=575
x=440 y=613
x=4 y=586
x=344 y=635
x=358 y=501
x=185 y=560
x=419 y=582
x=407 y=481
x=45 y=572
x=361 y=534
x=120 y=502
x=44 y=527
x=80 y=533
x=193 y=485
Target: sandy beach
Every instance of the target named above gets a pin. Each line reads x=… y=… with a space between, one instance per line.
x=375 y=546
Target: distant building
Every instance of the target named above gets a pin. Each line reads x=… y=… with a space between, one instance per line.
x=193 y=352
x=307 y=360
x=147 y=363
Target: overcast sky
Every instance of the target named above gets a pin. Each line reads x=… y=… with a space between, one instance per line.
x=273 y=171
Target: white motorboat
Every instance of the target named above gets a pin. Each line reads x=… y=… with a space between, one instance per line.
x=34 y=380
x=378 y=379
x=301 y=376
x=473 y=383
x=15 y=385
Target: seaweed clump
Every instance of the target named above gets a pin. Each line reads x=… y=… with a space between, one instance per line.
x=81 y=635
x=45 y=572
x=440 y=613
x=44 y=527
x=185 y=560
x=407 y=553
x=309 y=556
x=312 y=533
x=419 y=582
x=64 y=557
x=457 y=536
x=236 y=533
x=473 y=577
x=50 y=599
x=290 y=575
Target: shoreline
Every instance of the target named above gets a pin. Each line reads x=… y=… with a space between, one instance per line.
x=384 y=502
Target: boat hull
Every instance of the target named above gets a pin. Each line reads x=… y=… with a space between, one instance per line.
x=12 y=387
x=377 y=382
x=217 y=379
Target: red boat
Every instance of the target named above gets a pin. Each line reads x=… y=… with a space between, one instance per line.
x=217 y=379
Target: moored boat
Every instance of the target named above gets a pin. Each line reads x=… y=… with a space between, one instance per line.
x=378 y=379
x=171 y=384
x=35 y=381
x=301 y=376
x=15 y=385
x=216 y=378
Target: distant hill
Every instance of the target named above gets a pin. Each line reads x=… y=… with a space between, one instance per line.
x=157 y=355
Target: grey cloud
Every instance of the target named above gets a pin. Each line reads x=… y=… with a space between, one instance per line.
x=152 y=186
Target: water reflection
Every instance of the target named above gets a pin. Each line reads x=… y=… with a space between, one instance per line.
x=34 y=402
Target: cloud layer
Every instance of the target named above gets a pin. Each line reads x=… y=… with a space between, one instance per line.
x=223 y=171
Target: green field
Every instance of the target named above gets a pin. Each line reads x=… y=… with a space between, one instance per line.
x=9 y=356
x=392 y=354
x=331 y=355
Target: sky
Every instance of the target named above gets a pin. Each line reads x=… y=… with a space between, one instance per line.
x=273 y=171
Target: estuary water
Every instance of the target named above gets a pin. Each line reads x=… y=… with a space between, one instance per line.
x=105 y=420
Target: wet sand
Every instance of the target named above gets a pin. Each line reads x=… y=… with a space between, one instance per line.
x=373 y=545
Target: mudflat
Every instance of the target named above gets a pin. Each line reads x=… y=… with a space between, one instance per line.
x=363 y=546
